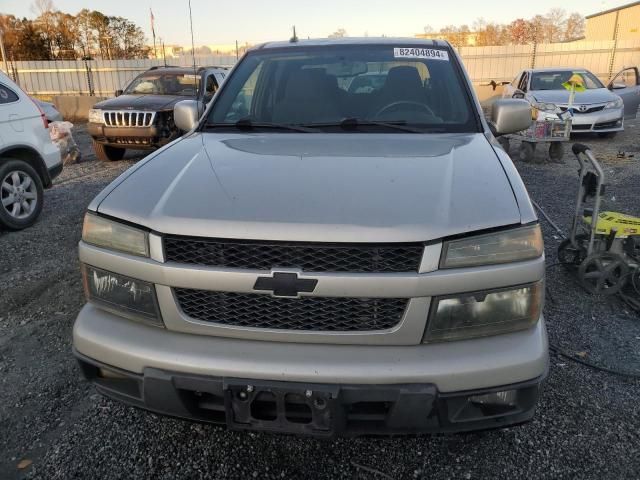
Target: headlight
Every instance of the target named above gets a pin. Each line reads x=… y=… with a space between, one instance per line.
x=514 y=245
x=484 y=313
x=617 y=103
x=95 y=116
x=545 y=107
x=106 y=233
x=134 y=298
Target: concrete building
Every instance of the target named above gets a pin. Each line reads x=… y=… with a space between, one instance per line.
x=603 y=25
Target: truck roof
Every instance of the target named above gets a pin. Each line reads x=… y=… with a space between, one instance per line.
x=399 y=41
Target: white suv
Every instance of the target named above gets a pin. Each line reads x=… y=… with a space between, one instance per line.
x=29 y=161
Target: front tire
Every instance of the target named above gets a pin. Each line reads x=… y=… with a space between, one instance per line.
x=105 y=153
x=527 y=151
x=21 y=194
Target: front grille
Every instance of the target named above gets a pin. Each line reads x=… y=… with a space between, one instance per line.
x=328 y=314
x=145 y=141
x=311 y=257
x=580 y=127
x=588 y=110
x=128 y=118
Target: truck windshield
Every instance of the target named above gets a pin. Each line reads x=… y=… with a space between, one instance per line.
x=185 y=84
x=347 y=85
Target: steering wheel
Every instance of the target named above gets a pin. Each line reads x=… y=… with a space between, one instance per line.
x=421 y=106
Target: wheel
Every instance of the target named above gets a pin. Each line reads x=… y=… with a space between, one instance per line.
x=527 y=151
x=556 y=151
x=570 y=255
x=604 y=273
x=106 y=153
x=21 y=194
x=607 y=134
x=504 y=141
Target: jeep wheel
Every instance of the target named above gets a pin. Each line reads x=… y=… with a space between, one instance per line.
x=106 y=153
x=21 y=195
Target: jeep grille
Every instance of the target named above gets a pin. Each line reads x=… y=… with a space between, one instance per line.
x=128 y=118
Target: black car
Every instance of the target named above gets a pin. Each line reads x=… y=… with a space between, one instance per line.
x=141 y=116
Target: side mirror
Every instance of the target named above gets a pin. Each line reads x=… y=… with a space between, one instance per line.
x=617 y=86
x=510 y=116
x=186 y=114
x=119 y=92
x=518 y=94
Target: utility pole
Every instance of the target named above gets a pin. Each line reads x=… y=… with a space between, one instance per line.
x=4 y=55
x=236 y=50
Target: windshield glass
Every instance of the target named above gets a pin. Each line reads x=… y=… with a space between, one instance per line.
x=164 y=84
x=323 y=86
x=554 y=80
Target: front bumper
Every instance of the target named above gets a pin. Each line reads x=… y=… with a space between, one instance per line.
x=321 y=410
x=169 y=372
x=598 y=122
x=130 y=137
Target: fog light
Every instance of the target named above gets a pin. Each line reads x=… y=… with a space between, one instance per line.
x=125 y=296
x=506 y=398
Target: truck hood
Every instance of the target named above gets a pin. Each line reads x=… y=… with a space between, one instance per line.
x=597 y=95
x=141 y=102
x=318 y=187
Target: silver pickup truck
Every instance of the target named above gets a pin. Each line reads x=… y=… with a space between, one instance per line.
x=323 y=260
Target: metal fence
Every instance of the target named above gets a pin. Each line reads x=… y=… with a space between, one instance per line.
x=93 y=77
x=603 y=58
x=499 y=63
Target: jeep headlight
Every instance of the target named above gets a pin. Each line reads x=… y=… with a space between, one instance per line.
x=122 y=295
x=95 y=116
x=481 y=314
x=617 y=103
x=523 y=243
x=106 y=233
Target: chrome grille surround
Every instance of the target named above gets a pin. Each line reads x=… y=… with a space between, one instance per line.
x=128 y=118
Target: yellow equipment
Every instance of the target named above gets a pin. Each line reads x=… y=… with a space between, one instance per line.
x=607 y=256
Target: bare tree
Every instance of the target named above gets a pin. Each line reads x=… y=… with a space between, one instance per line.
x=574 y=28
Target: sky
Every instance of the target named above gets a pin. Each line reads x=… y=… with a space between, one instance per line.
x=251 y=21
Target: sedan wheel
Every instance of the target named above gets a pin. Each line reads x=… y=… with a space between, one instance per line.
x=20 y=195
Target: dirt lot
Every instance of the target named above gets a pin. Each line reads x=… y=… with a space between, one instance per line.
x=54 y=426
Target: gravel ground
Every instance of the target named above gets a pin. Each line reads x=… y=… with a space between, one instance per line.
x=54 y=426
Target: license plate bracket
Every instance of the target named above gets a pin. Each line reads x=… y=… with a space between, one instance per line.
x=281 y=407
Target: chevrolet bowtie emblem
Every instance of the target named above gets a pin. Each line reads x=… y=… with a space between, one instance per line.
x=283 y=284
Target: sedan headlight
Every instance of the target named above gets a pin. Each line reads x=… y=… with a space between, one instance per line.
x=617 y=103
x=523 y=243
x=123 y=295
x=486 y=313
x=106 y=233
x=95 y=116
x=545 y=107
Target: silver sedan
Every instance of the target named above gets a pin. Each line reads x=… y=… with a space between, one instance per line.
x=597 y=109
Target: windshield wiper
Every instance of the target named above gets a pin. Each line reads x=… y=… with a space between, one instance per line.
x=248 y=124
x=353 y=123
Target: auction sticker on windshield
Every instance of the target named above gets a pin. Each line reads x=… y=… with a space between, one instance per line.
x=430 y=53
